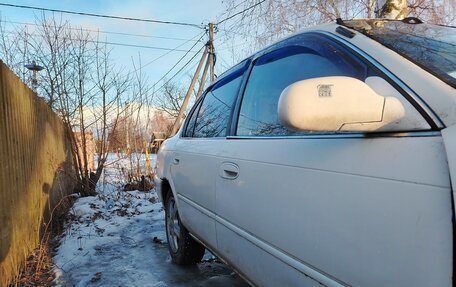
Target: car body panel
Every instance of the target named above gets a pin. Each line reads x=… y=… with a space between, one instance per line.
x=336 y=210
x=326 y=190
x=190 y=177
x=267 y=270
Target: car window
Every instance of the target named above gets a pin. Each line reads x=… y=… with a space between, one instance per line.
x=315 y=57
x=214 y=114
x=432 y=47
x=191 y=122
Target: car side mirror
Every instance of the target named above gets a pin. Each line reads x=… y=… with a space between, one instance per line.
x=336 y=104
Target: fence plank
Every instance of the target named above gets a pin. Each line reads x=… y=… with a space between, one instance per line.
x=35 y=170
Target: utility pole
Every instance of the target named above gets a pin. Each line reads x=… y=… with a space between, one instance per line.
x=177 y=123
x=212 y=51
x=203 y=79
x=208 y=56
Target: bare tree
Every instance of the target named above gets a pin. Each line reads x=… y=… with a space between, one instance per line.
x=109 y=87
x=273 y=19
x=170 y=99
x=393 y=9
x=12 y=49
x=79 y=82
x=162 y=122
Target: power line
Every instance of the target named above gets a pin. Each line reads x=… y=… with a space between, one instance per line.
x=190 y=68
x=177 y=63
x=180 y=70
x=169 y=50
x=101 y=31
x=143 y=46
x=103 y=16
x=169 y=80
x=163 y=55
x=240 y=12
x=113 y=43
x=175 y=74
x=236 y=33
x=148 y=97
x=232 y=8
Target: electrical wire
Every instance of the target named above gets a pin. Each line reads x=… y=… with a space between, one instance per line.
x=147 y=98
x=163 y=55
x=175 y=74
x=169 y=50
x=113 y=43
x=100 y=31
x=177 y=63
x=227 y=11
x=103 y=15
x=140 y=46
x=143 y=46
x=240 y=12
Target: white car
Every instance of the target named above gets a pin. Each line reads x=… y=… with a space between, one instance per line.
x=325 y=159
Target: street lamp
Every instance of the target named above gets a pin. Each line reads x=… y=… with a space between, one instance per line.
x=35 y=68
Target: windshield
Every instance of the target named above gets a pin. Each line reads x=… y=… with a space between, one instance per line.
x=432 y=47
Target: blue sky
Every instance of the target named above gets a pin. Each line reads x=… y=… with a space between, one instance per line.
x=201 y=11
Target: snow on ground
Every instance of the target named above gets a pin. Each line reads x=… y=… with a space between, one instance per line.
x=118 y=238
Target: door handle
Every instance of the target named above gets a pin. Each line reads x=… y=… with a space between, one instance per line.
x=176 y=161
x=229 y=170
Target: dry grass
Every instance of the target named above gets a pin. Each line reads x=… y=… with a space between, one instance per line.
x=38 y=269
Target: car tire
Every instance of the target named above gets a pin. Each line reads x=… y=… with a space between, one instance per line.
x=184 y=250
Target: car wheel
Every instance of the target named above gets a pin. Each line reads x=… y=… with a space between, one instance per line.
x=183 y=248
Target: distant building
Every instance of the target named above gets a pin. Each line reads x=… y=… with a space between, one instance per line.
x=156 y=141
x=90 y=149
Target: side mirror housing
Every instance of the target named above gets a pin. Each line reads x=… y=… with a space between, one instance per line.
x=336 y=104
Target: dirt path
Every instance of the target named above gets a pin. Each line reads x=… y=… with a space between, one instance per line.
x=118 y=239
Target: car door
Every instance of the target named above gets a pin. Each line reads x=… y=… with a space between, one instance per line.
x=338 y=209
x=194 y=168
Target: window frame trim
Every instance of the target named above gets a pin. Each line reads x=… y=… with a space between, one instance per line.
x=411 y=96
x=354 y=135
x=420 y=106
x=196 y=107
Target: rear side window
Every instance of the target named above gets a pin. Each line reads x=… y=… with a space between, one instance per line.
x=191 y=122
x=273 y=72
x=214 y=113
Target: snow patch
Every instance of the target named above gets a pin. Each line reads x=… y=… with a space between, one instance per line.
x=118 y=238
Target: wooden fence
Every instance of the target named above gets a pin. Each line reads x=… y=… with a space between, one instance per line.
x=35 y=170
